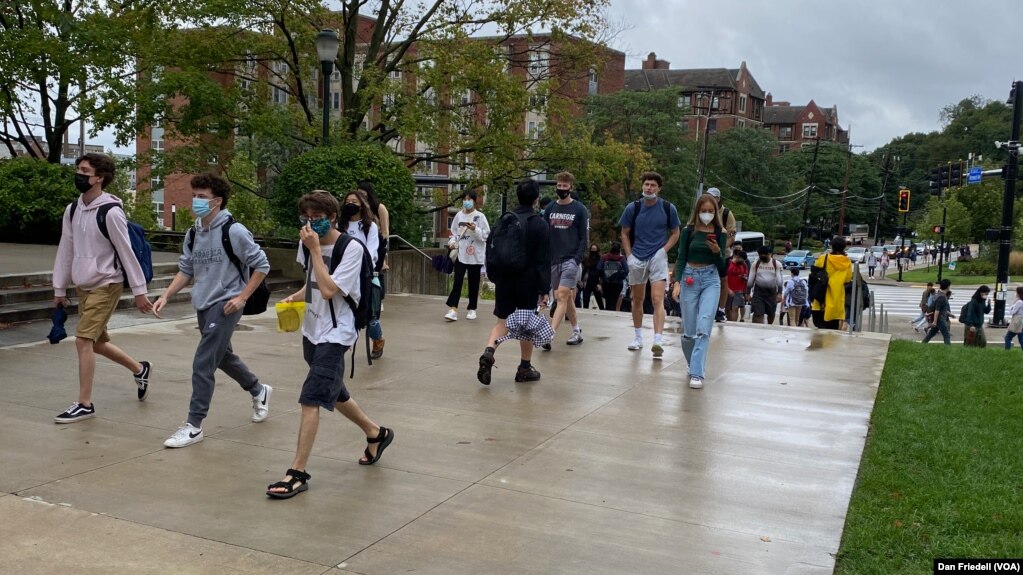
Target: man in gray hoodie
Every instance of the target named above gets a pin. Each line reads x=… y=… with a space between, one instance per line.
x=219 y=294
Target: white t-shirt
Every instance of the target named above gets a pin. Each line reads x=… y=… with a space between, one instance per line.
x=318 y=326
x=372 y=239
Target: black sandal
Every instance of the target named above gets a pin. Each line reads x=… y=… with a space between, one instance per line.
x=384 y=438
x=292 y=489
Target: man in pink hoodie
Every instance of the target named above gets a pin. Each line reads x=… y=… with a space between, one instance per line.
x=98 y=267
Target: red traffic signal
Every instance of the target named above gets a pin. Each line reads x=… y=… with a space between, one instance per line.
x=938 y=229
x=903 y=200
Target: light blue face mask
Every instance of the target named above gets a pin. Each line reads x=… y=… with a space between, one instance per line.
x=201 y=207
x=468 y=204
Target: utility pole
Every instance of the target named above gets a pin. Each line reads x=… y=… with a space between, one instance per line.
x=886 y=166
x=1005 y=235
x=941 y=240
x=845 y=188
x=809 y=190
x=703 y=151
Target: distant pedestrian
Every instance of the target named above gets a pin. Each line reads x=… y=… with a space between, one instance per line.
x=591 y=278
x=976 y=309
x=940 y=313
x=99 y=263
x=469 y=233
x=796 y=298
x=728 y=220
x=871 y=263
x=699 y=269
x=614 y=270
x=926 y=299
x=383 y=218
x=737 y=274
x=765 y=285
x=885 y=262
x=840 y=272
x=1015 y=317
x=518 y=290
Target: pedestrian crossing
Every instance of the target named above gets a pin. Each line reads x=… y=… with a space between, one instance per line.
x=901 y=301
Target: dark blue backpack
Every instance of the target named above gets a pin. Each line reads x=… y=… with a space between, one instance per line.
x=136 y=234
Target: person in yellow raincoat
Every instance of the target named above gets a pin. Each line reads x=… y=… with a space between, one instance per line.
x=840 y=272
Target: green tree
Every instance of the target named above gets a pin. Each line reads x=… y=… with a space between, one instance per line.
x=65 y=62
x=958 y=224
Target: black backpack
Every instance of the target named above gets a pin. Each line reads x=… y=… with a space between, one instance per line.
x=819 y=282
x=368 y=307
x=964 y=311
x=506 y=245
x=256 y=303
x=614 y=272
x=140 y=246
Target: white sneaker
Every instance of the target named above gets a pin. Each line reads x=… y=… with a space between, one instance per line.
x=186 y=435
x=452 y=315
x=695 y=383
x=471 y=314
x=636 y=344
x=261 y=404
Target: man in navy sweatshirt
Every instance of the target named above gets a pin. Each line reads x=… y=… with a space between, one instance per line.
x=570 y=228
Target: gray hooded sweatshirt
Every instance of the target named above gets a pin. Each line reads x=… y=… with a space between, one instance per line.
x=214 y=278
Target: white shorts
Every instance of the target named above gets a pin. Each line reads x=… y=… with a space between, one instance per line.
x=653 y=270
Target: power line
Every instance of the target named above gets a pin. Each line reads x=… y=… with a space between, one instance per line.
x=722 y=180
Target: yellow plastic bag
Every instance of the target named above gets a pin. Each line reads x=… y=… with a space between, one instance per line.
x=289 y=316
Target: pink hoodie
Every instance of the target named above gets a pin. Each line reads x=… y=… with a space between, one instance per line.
x=86 y=259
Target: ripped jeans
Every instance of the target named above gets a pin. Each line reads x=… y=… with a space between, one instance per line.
x=699 y=304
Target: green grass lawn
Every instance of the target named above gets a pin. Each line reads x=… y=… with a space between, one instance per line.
x=942 y=472
x=922 y=275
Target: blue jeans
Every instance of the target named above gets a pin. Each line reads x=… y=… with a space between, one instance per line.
x=699 y=304
x=1009 y=337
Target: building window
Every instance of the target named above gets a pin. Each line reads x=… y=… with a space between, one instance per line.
x=157 y=145
x=394 y=75
x=785 y=133
x=593 y=82
x=809 y=130
x=280 y=92
x=337 y=100
x=212 y=159
x=683 y=101
x=158 y=208
x=531 y=130
x=783 y=148
x=466 y=98
x=712 y=126
x=538 y=62
x=742 y=102
x=156 y=183
x=740 y=124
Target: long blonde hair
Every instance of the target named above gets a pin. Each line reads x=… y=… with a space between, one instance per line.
x=694 y=218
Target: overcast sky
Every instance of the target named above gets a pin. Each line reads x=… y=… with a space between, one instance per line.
x=889 y=65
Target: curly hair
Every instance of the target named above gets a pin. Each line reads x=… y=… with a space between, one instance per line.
x=219 y=185
x=102 y=164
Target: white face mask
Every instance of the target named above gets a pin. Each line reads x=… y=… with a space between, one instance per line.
x=706 y=217
x=649 y=195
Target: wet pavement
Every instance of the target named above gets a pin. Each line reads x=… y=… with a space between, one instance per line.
x=609 y=464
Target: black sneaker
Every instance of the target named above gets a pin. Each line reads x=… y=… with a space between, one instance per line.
x=546 y=347
x=142 y=380
x=527 y=374
x=486 y=364
x=76 y=412
x=719 y=316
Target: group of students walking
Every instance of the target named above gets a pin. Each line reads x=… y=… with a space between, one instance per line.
x=95 y=254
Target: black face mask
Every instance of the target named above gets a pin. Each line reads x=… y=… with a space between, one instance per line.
x=350 y=210
x=82 y=183
x=563 y=193
x=764 y=259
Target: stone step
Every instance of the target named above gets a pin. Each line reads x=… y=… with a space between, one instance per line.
x=43 y=309
x=44 y=278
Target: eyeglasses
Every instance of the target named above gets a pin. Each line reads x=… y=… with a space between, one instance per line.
x=304 y=220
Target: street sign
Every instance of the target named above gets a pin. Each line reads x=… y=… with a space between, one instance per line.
x=975 y=175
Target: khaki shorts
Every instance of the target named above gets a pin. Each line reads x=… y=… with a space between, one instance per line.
x=94 y=310
x=653 y=270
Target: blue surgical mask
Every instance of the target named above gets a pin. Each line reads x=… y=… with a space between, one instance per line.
x=201 y=207
x=320 y=226
x=468 y=204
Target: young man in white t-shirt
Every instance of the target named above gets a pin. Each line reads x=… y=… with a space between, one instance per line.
x=326 y=337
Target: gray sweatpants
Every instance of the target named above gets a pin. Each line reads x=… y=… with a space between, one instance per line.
x=214 y=351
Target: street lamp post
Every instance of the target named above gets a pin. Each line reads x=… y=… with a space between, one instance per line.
x=326 y=48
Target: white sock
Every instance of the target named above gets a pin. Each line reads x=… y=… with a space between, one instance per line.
x=639 y=332
x=657 y=338
x=577 y=329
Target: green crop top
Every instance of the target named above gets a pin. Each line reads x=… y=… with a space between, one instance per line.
x=699 y=252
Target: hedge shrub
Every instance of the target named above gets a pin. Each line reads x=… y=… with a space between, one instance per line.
x=33 y=196
x=338 y=169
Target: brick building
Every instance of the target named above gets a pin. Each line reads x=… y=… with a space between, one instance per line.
x=798 y=126
x=718 y=98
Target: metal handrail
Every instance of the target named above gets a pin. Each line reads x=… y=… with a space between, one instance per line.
x=411 y=245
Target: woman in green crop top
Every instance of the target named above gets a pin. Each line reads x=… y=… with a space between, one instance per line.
x=698 y=269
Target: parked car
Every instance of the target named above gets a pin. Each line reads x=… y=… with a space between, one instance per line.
x=801 y=259
x=857 y=255
x=878 y=250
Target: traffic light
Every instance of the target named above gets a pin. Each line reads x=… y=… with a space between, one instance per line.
x=903 y=200
x=938 y=229
x=955 y=176
x=935 y=181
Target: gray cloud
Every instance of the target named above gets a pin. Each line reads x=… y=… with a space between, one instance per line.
x=889 y=66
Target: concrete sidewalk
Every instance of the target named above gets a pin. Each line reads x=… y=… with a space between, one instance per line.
x=609 y=464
